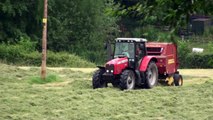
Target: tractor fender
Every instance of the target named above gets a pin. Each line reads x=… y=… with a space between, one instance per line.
x=145 y=62
x=100 y=67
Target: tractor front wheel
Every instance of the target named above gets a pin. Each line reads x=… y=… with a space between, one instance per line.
x=127 y=80
x=97 y=80
x=151 y=75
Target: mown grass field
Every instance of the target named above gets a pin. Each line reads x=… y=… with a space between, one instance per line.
x=73 y=98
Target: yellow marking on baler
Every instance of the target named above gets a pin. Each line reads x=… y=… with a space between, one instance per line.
x=171 y=61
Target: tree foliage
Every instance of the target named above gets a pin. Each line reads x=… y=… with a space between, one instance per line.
x=75 y=26
x=82 y=26
x=19 y=18
x=173 y=13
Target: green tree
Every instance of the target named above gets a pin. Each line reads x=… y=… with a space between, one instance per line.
x=81 y=27
x=19 y=18
x=173 y=13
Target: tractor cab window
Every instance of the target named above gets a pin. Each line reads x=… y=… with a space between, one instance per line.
x=124 y=49
x=140 y=52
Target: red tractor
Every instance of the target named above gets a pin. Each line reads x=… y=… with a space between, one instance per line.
x=137 y=62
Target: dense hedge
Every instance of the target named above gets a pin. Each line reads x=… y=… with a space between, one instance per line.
x=194 y=60
x=25 y=54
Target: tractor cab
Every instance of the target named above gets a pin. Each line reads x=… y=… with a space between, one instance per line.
x=132 y=48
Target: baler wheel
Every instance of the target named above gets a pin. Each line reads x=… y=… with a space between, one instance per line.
x=151 y=75
x=97 y=80
x=127 y=80
x=178 y=79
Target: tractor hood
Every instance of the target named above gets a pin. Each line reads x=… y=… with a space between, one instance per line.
x=118 y=64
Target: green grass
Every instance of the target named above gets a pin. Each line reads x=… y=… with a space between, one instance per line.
x=48 y=79
x=74 y=99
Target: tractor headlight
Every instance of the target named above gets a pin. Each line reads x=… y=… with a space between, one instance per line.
x=110 y=68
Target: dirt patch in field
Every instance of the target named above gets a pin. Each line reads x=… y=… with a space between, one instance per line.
x=201 y=73
x=196 y=76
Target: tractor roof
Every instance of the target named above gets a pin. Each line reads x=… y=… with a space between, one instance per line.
x=131 y=39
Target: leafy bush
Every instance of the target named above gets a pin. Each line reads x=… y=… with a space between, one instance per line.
x=188 y=59
x=24 y=53
x=67 y=60
x=183 y=51
x=210 y=47
x=199 y=61
x=193 y=60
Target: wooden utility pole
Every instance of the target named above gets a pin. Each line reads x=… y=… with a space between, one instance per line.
x=44 y=42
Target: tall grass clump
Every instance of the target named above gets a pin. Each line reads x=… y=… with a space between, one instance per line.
x=49 y=79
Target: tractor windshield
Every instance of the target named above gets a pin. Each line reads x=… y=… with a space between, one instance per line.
x=124 y=49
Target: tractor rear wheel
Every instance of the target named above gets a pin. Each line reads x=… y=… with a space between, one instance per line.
x=178 y=79
x=97 y=80
x=127 y=80
x=151 y=75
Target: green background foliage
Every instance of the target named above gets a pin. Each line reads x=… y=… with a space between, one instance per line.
x=78 y=27
x=24 y=53
x=81 y=28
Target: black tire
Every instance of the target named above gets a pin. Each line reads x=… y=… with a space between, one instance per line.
x=178 y=79
x=151 y=75
x=127 y=80
x=97 y=81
